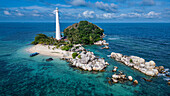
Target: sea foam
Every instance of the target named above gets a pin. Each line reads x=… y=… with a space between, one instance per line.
x=113 y=38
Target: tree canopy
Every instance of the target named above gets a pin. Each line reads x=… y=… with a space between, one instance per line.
x=83 y=32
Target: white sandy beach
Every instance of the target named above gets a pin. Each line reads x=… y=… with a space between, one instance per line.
x=48 y=51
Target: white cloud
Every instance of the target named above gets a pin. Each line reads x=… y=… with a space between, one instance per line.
x=106 y=7
x=7 y=13
x=152 y=14
x=35 y=11
x=61 y=5
x=123 y=15
x=148 y=2
x=39 y=8
x=51 y=15
x=19 y=14
x=78 y=2
x=88 y=14
x=134 y=15
x=106 y=16
x=36 y=15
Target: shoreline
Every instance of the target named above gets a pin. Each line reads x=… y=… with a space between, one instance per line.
x=49 y=50
x=83 y=59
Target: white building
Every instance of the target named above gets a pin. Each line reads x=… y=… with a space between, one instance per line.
x=58 y=35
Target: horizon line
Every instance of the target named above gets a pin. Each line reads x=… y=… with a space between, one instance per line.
x=73 y=22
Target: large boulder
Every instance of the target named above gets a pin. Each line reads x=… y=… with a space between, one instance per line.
x=137 y=60
x=117 y=56
x=155 y=71
x=152 y=63
x=143 y=70
x=150 y=73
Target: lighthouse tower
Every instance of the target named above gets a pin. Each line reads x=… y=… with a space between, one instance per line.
x=58 y=35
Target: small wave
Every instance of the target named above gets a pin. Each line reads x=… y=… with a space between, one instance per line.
x=108 y=55
x=167 y=79
x=113 y=38
x=160 y=74
x=167 y=69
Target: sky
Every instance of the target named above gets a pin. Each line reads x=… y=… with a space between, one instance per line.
x=92 y=10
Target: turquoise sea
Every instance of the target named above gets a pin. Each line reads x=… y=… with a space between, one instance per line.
x=21 y=75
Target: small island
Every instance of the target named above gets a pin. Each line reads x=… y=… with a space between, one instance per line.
x=70 y=47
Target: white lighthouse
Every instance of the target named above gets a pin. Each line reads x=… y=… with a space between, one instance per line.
x=58 y=35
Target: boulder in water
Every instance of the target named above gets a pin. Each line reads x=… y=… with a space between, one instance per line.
x=115 y=69
x=130 y=78
x=114 y=80
x=168 y=83
x=135 y=82
x=161 y=69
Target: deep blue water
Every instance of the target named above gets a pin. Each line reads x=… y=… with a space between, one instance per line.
x=21 y=75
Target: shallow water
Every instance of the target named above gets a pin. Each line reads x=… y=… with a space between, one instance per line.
x=22 y=75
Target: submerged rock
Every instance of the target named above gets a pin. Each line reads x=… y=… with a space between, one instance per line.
x=106 y=47
x=49 y=59
x=168 y=83
x=118 y=78
x=147 y=80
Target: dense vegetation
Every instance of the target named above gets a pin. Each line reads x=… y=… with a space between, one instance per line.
x=83 y=33
x=43 y=39
x=74 y=55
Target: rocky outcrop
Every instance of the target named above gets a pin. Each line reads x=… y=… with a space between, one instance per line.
x=121 y=78
x=118 y=78
x=77 y=48
x=88 y=61
x=101 y=43
x=148 y=68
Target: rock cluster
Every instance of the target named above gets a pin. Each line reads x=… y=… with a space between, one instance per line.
x=138 y=63
x=77 y=48
x=160 y=69
x=88 y=61
x=101 y=42
x=118 y=78
x=122 y=78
